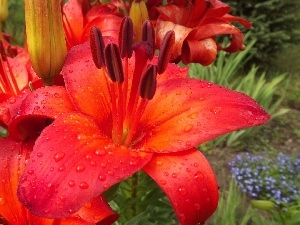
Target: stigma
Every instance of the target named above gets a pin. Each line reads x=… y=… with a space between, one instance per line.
x=130 y=93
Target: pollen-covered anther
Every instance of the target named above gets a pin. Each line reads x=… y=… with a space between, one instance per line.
x=165 y=51
x=148 y=35
x=126 y=37
x=148 y=82
x=113 y=63
x=97 y=46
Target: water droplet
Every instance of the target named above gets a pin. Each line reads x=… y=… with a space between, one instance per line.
x=102 y=177
x=199 y=176
x=182 y=190
x=62 y=168
x=59 y=156
x=181 y=217
x=30 y=172
x=111 y=173
x=174 y=175
x=2 y=202
x=62 y=198
x=215 y=110
x=163 y=182
x=197 y=206
x=83 y=185
x=193 y=115
x=188 y=143
x=103 y=165
x=93 y=163
x=159 y=163
x=100 y=152
x=166 y=173
x=80 y=168
x=188 y=127
x=81 y=137
x=88 y=157
x=106 y=186
x=39 y=154
x=204 y=190
x=71 y=183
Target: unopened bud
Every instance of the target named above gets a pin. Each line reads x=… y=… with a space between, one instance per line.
x=45 y=38
x=3 y=10
x=139 y=14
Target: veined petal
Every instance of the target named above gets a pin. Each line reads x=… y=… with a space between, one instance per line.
x=88 y=86
x=189 y=182
x=109 y=25
x=45 y=102
x=72 y=162
x=181 y=32
x=203 y=51
x=187 y=112
x=14 y=155
x=73 y=22
x=10 y=108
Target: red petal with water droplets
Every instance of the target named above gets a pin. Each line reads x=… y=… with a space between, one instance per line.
x=9 y=109
x=187 y=112
x=73 y=22
x=72 y=162
x=189 y=182
x=45 y=102
x=13 y=155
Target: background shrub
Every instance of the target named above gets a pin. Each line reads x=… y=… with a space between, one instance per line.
x=275 y=25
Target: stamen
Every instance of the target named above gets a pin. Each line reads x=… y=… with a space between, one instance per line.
x=114 y=63
x=126 y=37
x=148 y=82
x=165 y=51
x=148 y=35
x=97 y=46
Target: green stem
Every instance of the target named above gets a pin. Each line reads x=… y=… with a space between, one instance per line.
x=134 y=184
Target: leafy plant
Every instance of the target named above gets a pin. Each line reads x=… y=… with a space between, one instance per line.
x=275 y=25
x=231 y=208
x=138 y=199
x=226 y=72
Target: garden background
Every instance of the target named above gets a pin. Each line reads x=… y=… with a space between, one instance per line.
x=268 y=70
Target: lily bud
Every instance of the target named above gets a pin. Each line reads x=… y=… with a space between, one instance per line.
x=263 y=204
x=45 y=38
x=139 y=14
x=3 y=10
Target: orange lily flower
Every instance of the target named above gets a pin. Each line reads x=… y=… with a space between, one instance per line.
x=80 y=16
x=196 y=25
x=123 y=110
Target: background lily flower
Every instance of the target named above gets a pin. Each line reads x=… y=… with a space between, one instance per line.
x=80 y=16
x=119 y=121
x=196 y=25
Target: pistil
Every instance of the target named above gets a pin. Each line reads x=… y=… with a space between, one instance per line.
x=126 y=114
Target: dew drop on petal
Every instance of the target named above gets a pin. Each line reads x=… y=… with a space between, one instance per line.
x=100 y=152
x=182 y=190
x=181 y=217
x=59 y=156
x=188 y=127
x=102 y=177
x=71 y=183
x=2 y=202
x=199 y=176
x=174 y=175
x=197 y=206
x=159 y=163
x=80 y=168
x=30 y=172
x=193 y=115
x=111 y=173
x=39 y=154
x=83 y=185
x=163 y=182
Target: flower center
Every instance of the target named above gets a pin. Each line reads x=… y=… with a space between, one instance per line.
x=129 y=100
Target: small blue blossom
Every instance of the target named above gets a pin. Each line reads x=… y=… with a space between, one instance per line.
x=264 y=178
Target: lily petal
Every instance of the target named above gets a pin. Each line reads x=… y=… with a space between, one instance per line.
x=188 y=112
x=189 y=182
x=45 y=102
x=72 y=162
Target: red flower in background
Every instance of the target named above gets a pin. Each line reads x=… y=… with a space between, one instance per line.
x=121 y=116
x=196 y=25
x=80 y=16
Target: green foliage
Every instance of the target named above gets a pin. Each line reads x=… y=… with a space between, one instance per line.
x=231 y=208
x=15 y=23
x=139 y=200
x=275 y=25
x=225 y=71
